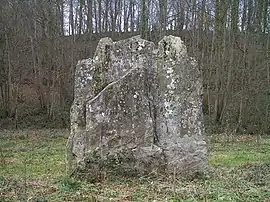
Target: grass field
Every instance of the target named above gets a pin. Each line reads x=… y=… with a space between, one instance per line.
x=32 y=168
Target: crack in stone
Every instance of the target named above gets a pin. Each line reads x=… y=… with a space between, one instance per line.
x=111 y=84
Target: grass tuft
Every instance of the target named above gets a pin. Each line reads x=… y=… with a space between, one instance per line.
x=68 y=184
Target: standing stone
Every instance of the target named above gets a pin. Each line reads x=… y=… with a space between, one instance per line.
x=137 y=109
x=180 y=118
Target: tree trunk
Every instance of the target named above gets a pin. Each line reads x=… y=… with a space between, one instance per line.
x=71 y=18
x=106 y=20
x=89 y=19
x=144 y=25
x=9 y=81
x=80 y=17
x=131 y=11
x=162 y=17
x=99 y=16
x=265 y=15
x=244 y=16
x=126 y=16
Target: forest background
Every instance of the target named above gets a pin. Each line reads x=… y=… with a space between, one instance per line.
x=42 y=40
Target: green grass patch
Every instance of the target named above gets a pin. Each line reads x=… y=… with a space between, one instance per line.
x=33 y=169
x=239 y=153
x=33 y=156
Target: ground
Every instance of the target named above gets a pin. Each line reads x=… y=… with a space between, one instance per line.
x=32 y=168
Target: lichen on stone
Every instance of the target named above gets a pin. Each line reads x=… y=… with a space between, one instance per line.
x=137 y=109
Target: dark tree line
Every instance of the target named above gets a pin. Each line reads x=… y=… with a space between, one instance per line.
x=41 y=41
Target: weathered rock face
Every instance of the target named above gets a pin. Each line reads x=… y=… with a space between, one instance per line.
x=137 y=109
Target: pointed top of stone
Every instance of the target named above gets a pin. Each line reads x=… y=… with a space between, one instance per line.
x=101 y=48
x=172 y=46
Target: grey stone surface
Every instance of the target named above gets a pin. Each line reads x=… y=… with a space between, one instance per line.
x=137 y=109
